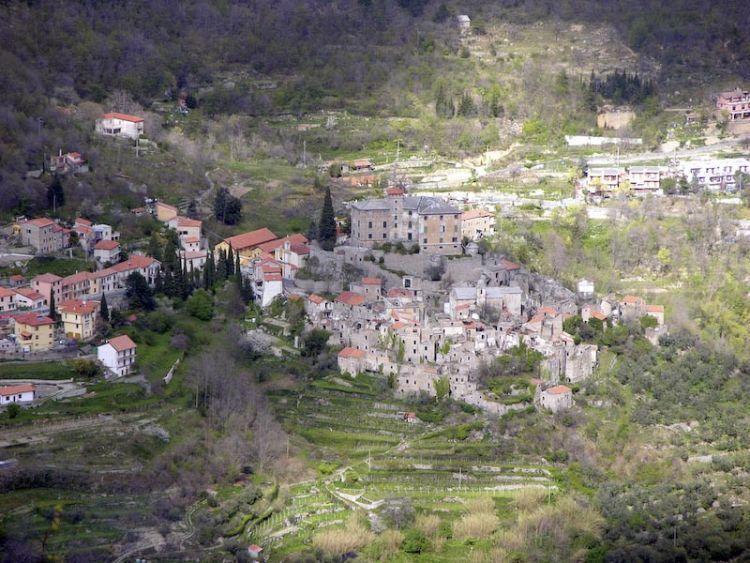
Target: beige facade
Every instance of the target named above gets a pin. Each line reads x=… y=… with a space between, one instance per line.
x=79 y=318
x=36 y=332
x=430 y=222
x=44 y=235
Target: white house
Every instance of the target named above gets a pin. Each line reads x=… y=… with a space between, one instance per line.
x=120 y=125
x=107 y=251
x=117 y=354
x=715 y=174
x=585 y=288
x=17 y=394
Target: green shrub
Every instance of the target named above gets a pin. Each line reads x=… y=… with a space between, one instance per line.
x=415 y=541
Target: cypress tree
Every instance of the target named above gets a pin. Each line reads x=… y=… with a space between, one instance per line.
x=327 y=228
x=237 y=270
x=52 y=308
x=221 y=267
x=104 y=309
x=230 y=263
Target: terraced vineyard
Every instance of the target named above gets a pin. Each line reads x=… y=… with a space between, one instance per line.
x=369 y=458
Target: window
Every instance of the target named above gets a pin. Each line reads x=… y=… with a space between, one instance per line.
x=385 y=224
x=425 y=241
x=455 y=239
x=369 y=236
x=409 y=236
x=369 y=224
x=383 y=235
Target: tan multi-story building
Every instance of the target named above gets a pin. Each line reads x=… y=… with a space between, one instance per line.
x=44 y=235
x=430 y=222
x=477 y=223
x=79 y=318
x=35 y=332
x=736 y=103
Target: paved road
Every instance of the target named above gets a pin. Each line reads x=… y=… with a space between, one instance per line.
x=681 y=153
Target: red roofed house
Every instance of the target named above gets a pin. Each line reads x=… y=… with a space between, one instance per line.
x=656 y=311
x=186 y=227
x=350 y=298
x=247 y=245
x=44 y=235
x=27 y=298
x=79 y=318
x=370 y=287
x=17 y=394
x=67 y=163
x=291 y=251
x=107 y=251
x=556 y=398
x=35 y=332
x=7 y=300
x=361 y=164
x=120 y=125
x=351 y=360
x=114 y=278
x=117 y=355
x=48 y=285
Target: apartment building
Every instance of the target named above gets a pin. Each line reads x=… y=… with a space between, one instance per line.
x=430 y=222
x=118 y=355
x=645 y=179
x=715 y=174
x=44 y=235
x=79 y=318
x=35 y=332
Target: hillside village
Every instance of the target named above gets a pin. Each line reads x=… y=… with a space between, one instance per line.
x=448 y=311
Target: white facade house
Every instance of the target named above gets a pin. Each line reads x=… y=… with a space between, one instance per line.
x=17 y=394
x=117 y=355
x=715 y=174
x=120 y=125
x=107 y=251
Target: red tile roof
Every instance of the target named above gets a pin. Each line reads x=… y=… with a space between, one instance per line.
x=599 y=315
x=632 y=300
x=351 y=353
x=79 y=307
x=106 y=245
x=559 y=390
x=187 y=222
x=29 y=293
x=317 y=299
x=46 y=278
x=508 y=265
x=34 y=319
x=166 y=206
x=122 y=117
x=4 y=292
x=251 y=239
x=398 y=292
x=371 y=281
x=655 y=308
x=395 y=191
x=135 y=262
x=16 y=389
x=189 y=240
x=271 y=277
x=350 y=298
x=82 y=221
x=121 y=343
x=41 y=222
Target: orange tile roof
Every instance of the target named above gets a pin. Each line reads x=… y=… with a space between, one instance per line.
x=251 y=239
x=16 y=389
x=79 y=307
x=41 y=222
x=121 y=343
x=34 y=319
x=350 y=298
x=395 y=191
x=135 y=262
x=6 y=292
x=189 y=240
x=317 y=299
x=632 y=300
x=351 y=353
x=371 y=281
x=187 y=222
x=599 y=315
x=559 y=390
x=122 y=117
x=78 y=277
x=508 y=265
x=106 y=245
x=271 y=277
x=655 y=308
x=29 y=293
x=46 y=278
x=166 y=205
x=399 y=292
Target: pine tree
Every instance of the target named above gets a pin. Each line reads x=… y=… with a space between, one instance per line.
x=104 y=309
x=466 y=107
x=327 y=228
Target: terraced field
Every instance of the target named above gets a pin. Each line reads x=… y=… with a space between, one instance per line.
x=369 y=458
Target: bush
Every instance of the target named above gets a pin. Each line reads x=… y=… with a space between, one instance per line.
x=200 y=305
x=353 y=537
x=13 y=410
x=415 y=541
x=85 y=368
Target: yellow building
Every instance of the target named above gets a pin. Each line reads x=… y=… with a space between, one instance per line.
x=79 y=318
x=165 y=212
x=35 y=332
x=246 y=245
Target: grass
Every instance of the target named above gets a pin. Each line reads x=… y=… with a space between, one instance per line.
x=36 y=370
x=59 y=266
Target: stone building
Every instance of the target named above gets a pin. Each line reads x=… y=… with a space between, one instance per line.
x=430 y=222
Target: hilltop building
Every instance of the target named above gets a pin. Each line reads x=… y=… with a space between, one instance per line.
x=120 y=125
x=430 y=222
